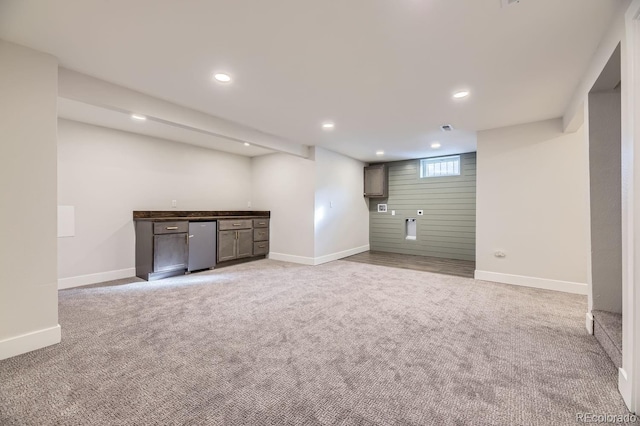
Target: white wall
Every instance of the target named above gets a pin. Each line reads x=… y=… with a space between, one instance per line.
x=341 y=211
x=106 y=174
x=284 y=184
x=532 y=204
x=28 y=296
x=629 y=374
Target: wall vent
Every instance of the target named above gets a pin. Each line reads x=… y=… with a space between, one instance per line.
x=446 y=127
x=506 y=3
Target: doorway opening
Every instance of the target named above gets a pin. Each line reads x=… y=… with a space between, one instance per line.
x=605 y=191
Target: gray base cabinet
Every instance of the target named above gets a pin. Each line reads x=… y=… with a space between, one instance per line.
x=162 y=249
x=260 y=237
x=233 y=245
x=173 y=245
x=237 y=239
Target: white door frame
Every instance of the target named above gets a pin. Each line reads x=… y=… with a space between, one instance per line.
x=629 y=373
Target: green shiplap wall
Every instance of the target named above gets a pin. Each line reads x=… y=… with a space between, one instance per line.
x=448 y=227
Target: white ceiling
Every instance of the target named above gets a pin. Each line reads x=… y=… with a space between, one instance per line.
x=382 y=70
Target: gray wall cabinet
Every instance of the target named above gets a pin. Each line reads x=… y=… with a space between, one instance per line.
x=375 y=181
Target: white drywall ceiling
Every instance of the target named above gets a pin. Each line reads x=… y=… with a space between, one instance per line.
x=383 y=71
x=79 y=111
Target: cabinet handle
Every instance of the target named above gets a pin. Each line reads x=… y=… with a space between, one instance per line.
x=262 y=223
x=262 y=246
x=236 y=235
x=170 y=228
x=237 y=224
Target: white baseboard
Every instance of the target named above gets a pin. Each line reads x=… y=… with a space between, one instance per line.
x=317 y=260
x=291 y=258
x=29 y=342
x=624 y=386
x=95 y=278
x=589 y=322
x=340 y=254
x=543 y=283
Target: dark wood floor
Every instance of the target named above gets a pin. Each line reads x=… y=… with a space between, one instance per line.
x=460 y=268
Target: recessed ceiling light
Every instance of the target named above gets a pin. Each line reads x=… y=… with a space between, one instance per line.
x=461 y=94
x=328 y=126
x=435 y=145
x=138 y=117
x=379 y=152
x=222 y=77
x=247 y=144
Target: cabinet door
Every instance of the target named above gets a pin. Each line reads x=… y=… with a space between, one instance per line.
x=245 y=243
x=170 y=252
x=227 y=245
x=375 y=181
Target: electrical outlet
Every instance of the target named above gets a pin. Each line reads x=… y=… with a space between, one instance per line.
x=249 y=204
x=393 y=212
x=174 y=203
x=499 y=254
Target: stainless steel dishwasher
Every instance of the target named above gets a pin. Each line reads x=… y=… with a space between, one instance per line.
x=202 y=245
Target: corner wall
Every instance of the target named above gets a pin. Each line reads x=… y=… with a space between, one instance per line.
x=285 y=185
x=318 y=213
x=532 y=204
x=28 y=288
x=341 y=211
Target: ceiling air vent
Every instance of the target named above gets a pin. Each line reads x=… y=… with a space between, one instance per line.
x=446 y=127
x=506 y=3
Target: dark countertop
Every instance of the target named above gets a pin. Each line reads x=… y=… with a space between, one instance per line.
x=196 y=216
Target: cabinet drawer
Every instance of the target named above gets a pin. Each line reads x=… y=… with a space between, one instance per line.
x=225 y=225
x=260 y=248
x=170 y=227
x=261 y=234
x=260 y=223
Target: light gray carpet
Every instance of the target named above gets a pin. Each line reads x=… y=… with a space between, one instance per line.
x=270 y=343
